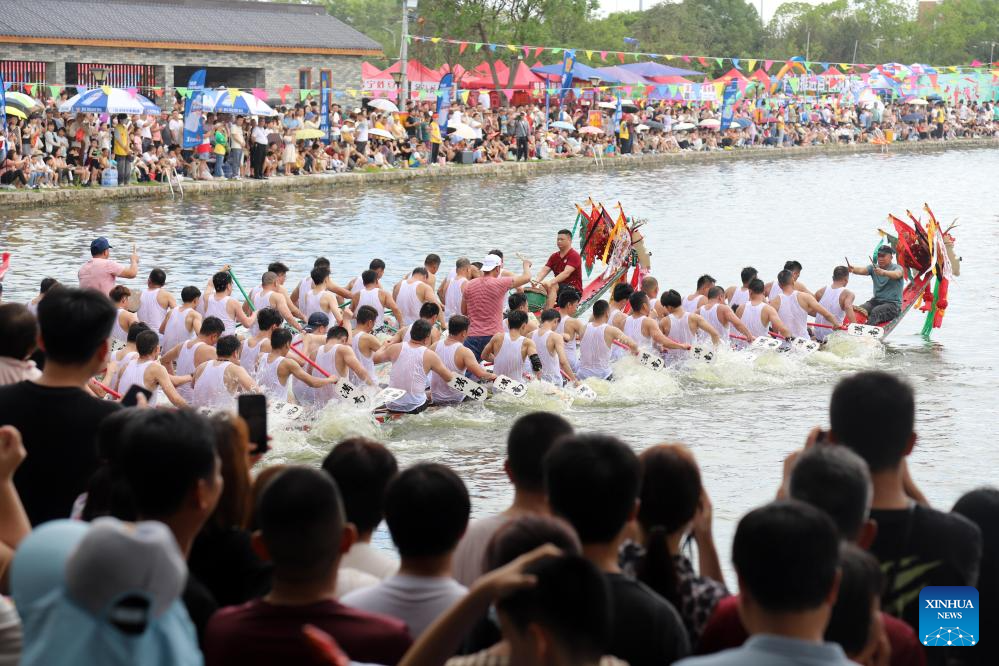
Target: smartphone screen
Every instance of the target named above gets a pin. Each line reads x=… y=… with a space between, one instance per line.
x=253 y=409
x=131 y=397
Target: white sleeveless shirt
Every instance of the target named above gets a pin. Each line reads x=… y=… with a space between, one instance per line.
x=711 y=315
x=175 y=330
x=408 y=302
x=366 y=362
x=509 y=360
x=135 y=374
x=775 y=291
x=150 y=311
x=739 y=296
x=440 y=392
x=117 y=332
x=571 y=347
x=371 y=297
x=326 y=359
x=690 y=304
x=453 y=297
x=594 y=354
x=304 y=287
x=551 y=369
x=185 y=366
x=313 y=302
x=267 y=378
x=217 y=308
x=633 y=329
x=793 y=315
x=830 y=301
x=211 y=391
x=752 y=317
x=408 y=374
x=123 y=363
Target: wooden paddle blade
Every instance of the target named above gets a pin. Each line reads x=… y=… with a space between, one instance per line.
x=386 y=395
x=284 y=410
x=702 y=354
x=510 y=386
x=765 y=343
x=862 y=330
x=805 y=346
x=585 y=392
x=472 y=390
x=348 y=391
x=650 y=361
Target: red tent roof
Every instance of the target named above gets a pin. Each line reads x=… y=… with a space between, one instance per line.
x=369 y=71
x=524 y=78
x=460 y=72
x=415 y=71
x=732 y=74
x=760 y=76
x=832 y=71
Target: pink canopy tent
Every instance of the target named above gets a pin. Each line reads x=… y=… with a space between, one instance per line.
x=460 y=73
x=523 y=79
x=733 y=74
x=670 y=80
x=377 y=82
x=415 y=71
x=832 y=71
x=761 y=76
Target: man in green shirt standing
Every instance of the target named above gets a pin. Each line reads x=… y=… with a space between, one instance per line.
x=888 y=278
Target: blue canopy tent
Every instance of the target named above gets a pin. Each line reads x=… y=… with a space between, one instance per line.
x=622 y=75
x=579 y=71
x=656 y=69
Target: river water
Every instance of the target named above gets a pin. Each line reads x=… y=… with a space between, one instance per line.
x=740 y=419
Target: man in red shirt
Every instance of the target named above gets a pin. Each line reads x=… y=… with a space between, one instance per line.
x=483 y=303
x=565 y=265
x=303 y=532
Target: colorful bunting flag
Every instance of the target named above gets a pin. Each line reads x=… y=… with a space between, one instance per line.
x=259 y=93
x=462 y=47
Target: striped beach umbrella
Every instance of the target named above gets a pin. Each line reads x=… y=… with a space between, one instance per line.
x=235 y=102
x=109 y=100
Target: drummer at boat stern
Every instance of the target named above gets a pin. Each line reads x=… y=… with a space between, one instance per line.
x=565 y=265
x=887 y=276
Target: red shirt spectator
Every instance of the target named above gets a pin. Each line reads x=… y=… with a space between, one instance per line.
x=557 y=263
x=260 y=633
x=724 y=630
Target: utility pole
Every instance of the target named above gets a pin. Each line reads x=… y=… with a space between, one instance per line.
x=855 y=43
x=808 y=43
x=404 y=53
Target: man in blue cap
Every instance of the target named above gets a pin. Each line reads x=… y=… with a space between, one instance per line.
x=100 y=272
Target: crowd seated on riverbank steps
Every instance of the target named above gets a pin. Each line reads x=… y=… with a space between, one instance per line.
x=53 y=149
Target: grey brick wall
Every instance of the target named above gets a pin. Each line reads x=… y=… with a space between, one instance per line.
x=273 y=70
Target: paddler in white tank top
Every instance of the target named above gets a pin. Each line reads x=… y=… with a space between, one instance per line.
x=773 y=288
x=794 y=307
x=218 y=382
x=681 y=326
x=693 y=302
x=184 y=322
x=411 y=361
x=650 y=287
x=306 y=285
x=155 y=301
x=454 y=288
x=364 y=343
x=413 y=293
x=643 y=329
x=509 y=350
x=147 y=372
x=837 y=299
x=758 y=315
x=721 y=317
x=124 y=319
x=319 y=298
x=736 y=296
x=268 y=295
x=430 y=313
x=618 y=313
x=372 y=295
x=555 y=366
x=119 y=360
x=569 y=327
x=274 y=369
x=221 y=304
x=308 y=344
x=376 y=265
x=184 y=358
x=259 y=345
x=431 y=265
x=595 y=346
x=47 y=283
x=337 y=358
x=457 y=358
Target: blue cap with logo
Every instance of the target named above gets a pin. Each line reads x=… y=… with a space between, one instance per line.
x=99 y=244
x=317 y=320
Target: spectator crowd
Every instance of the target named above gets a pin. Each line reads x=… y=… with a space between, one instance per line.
x=53 y=149
x=159 y=536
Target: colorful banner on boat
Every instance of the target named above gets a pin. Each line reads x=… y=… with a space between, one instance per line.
x=194 y=126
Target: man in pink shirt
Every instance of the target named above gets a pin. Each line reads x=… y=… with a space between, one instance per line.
x=100 y=272
x=483 y=303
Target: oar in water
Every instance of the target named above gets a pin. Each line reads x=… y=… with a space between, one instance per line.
x=107 y=389
x=859 y=330
x=581 y=390
x=797 y=344
x=758 y=343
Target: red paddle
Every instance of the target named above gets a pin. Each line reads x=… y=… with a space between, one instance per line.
x=310 y=361
x=107 y=389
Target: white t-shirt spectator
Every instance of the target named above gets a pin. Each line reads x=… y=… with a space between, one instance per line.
x=176 y=126
x=416 y=600
x=260 y=134
x=484 y=100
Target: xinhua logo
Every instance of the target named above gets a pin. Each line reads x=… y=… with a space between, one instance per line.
x=948 y=616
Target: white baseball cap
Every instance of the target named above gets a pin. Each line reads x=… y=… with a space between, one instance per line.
x=491 y=262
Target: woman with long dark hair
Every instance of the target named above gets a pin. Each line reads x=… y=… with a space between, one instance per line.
x=675 y=508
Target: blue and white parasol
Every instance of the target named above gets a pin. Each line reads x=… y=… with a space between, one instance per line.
x=235 y=102
x=109 y=100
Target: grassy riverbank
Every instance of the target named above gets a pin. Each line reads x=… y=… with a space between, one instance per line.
x=55 y=197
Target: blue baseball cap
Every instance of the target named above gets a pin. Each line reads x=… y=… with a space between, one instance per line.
x=99 y=244
x=317 y=320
